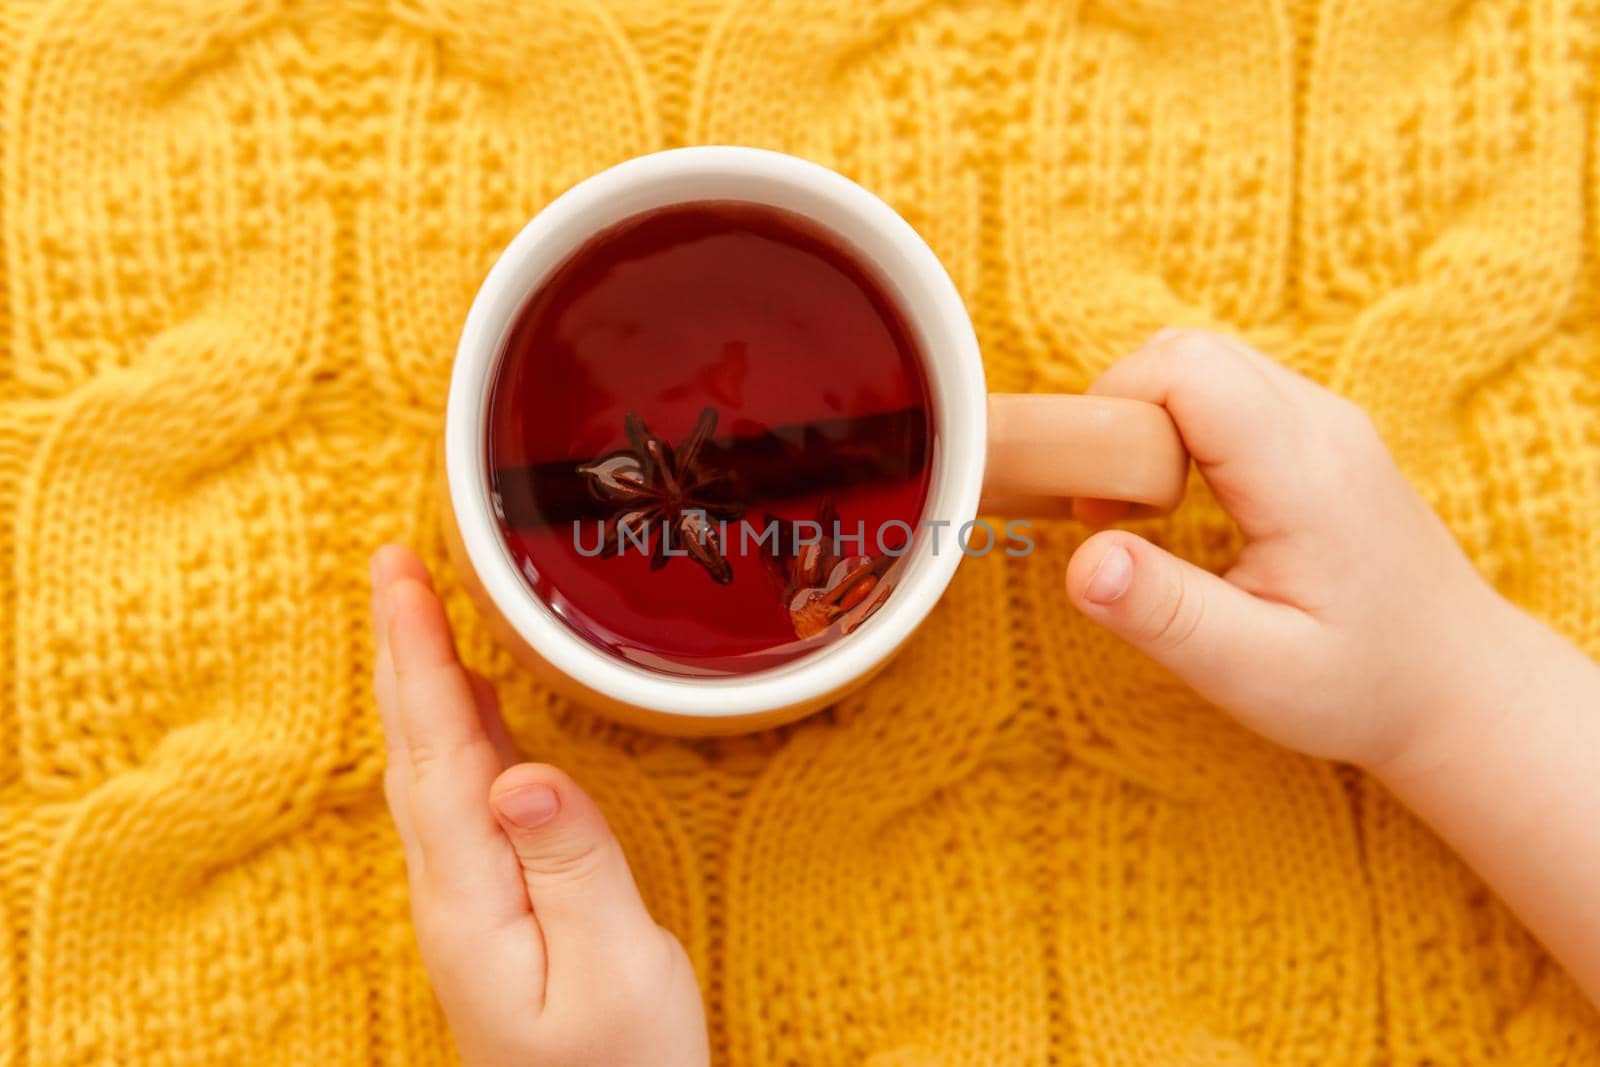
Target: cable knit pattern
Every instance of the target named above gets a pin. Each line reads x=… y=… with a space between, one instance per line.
x=239 y=238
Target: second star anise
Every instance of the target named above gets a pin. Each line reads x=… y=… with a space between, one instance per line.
x=819 y=586
x=665 y=497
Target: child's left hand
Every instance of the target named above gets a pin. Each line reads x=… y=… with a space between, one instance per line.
x=532 y=931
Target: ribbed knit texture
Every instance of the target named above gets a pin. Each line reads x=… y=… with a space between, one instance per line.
x=239 y=239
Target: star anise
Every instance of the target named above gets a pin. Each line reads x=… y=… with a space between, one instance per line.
x=665 y=497
x=820 y=587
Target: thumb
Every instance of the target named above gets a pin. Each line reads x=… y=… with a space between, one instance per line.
x=578 y=882
x=1226 y=644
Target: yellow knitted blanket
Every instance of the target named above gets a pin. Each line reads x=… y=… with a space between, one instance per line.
x=239 y=238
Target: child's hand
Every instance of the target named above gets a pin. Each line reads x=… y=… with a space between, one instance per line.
x=531 y=928
x=1343 y=628
x=1353 y=627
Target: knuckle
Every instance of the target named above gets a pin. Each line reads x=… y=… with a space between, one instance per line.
x=574 y=863
x=429 y=756
x=423 y=755
x=1199 y=363
x=1354 y=450
x=1176 y=618
x=1200 y=352
x=1352 y=424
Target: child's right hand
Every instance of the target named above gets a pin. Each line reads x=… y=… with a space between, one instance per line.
x=1344 y=626
x=1353 y=627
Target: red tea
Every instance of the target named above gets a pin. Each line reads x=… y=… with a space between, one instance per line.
x=709 y=440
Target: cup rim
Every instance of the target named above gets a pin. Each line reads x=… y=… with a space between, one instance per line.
x=933 y=309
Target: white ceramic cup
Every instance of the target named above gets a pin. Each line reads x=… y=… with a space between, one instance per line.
x=1040 y=448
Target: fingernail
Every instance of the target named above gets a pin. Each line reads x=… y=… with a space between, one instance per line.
x=529 y=807
x=1111 y=579
x=372 y=568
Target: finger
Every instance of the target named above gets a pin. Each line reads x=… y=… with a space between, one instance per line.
x=451 y=759
x=389 y=564
x=494 y=725
x=397 y=771
x=576 y=876
x=1252 y=426
x=1222 y=641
